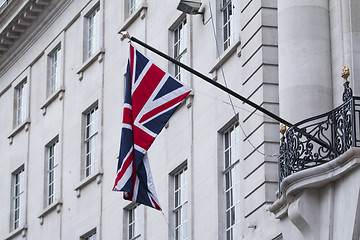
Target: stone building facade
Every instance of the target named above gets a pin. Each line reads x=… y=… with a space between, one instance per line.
x=62 y=73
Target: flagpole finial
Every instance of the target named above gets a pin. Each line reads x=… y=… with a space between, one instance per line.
x=124 y=34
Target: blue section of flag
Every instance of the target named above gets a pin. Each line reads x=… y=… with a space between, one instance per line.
x=128 y=85
x=158 y=123
x=170 y=85
x=141 y=62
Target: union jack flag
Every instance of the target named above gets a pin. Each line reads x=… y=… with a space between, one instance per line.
x=151 y=97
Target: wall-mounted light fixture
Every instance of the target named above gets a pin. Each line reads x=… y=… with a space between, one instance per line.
x=189 y=6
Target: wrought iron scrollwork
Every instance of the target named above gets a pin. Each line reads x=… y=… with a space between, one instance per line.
x=319 y=139
x=347 y=95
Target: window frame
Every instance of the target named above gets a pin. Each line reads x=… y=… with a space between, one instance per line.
x=227 y=21
x=139 y=11
x=93 y=22
x=54 y=86
x=54 y=80
x=20 y=102
x=133 y=5
x=137 y=222
x=231 y=172
x=180 y=204
x=17 y=199
x=52 y=168
x=25 y=121
x=133 y=222
x=91 y=141
x=89 y=235
x=179 y=39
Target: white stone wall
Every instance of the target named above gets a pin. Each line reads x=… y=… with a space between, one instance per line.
x=193 y=135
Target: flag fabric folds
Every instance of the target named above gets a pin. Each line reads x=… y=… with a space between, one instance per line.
x=151 y=97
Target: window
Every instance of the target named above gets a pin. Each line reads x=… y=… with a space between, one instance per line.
x=20 y=103
x=227 y=22
x=17 y=198
x=91 y=141
x=232 y=180
x=180 y=204
x=89 y=236
x=93 y=32
x=52 y=172
x=180 y=48
x=54 y=70
x=133 y=5
x=134 y=231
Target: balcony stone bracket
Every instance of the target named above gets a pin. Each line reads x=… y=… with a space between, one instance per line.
x=322 y=202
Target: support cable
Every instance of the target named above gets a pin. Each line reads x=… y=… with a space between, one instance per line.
x=226 y=85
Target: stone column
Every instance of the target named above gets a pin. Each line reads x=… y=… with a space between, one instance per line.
x=305 y=84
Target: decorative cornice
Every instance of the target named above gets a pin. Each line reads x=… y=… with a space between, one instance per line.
x=20 y=22
x=34 y=34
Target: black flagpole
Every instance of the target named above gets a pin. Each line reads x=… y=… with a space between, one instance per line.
x=209 y=80
x=229 y=91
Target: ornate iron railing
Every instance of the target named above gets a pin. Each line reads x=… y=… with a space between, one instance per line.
x=320 y=139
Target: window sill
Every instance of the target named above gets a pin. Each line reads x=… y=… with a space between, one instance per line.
x=55 y=205
x=95 y=176
x=99 y=56
x=18 y=128
x=16 y=232
x=141 y=11
x=59 y=93
x=225 y=56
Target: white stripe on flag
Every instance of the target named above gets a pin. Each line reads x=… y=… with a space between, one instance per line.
x=127 y=175
x=150 y=182
x=127 y=126
x=136 y=189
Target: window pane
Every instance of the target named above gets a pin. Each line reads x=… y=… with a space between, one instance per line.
x=227 y=13
x=134 y=221
x=133 y=5
x=54 y=70
x=20 y=103
x=228 y=234
x=226 y=137
x=91 y=141
x=227 y=158
x=51 y=172
x=231 y=181
x=93 y=32
x=177 y=198
x=91 y=236
x=18 y=190
x=180 y=204
x=180 y=48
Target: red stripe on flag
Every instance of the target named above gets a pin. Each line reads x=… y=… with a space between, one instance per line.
x=147 y=86
x=129 y=195
x=141 y=138
x=127 y=116
x=155 y=204
x=131 y=62
x=124 y=167
x=163 y=107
